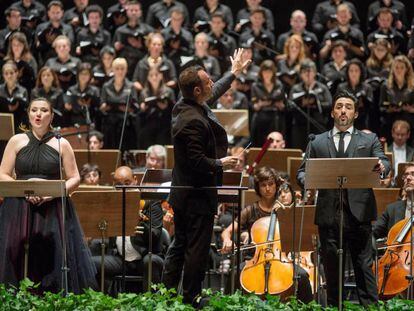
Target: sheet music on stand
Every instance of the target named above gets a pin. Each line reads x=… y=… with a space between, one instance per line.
x=6 y=126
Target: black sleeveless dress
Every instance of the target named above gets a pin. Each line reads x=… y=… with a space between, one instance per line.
x=20 y=220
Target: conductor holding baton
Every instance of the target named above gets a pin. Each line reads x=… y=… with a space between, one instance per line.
x=200 y=148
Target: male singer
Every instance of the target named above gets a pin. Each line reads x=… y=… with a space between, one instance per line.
x=200 y=147
x=345 y=141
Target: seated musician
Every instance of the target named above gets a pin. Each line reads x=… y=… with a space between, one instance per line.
x=397 y=210
x=267 y=184
x=90 y=174
x=136 y=247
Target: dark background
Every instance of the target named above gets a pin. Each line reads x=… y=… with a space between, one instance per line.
x=281 y=8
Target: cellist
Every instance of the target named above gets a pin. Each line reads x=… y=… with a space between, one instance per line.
x=267 y=183
x=397 y=210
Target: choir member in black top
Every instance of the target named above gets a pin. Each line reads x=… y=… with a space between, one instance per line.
x=33 y=12
x=221 y=45
x=334 y=71
x=118 y=95
x=356 y=85
x=204 y=13
x=268 y=99
x=13 y=96
x=19 y=52
x=386 y=31
x=92 y=38
x=102 y=72
x=178 y=40
x=210 y=63
x=14 y=24
x=398 y=10
x=116 y=16
x=378 y=67
x=324 y=17
x=64 y=64
x=314 y=98
x=154 y=118
x=81 y=99
x=298 y=26
x=346 y=32
x=154 y=58
x=47 y=32
x=47 y=86
x=129 y=39
x=397 y=95
x=243 y=15
x=76 y=16
x=289 y=62
x=159 y=13
x=249 y=74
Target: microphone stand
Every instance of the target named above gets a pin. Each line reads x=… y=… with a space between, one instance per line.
x=88 y=129
x=65 y=268
x=121 y=140
x=308 y=118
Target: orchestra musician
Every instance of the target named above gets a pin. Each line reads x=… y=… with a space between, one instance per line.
x=268 y=186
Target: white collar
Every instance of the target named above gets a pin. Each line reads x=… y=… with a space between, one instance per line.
x=395 y=147
x=336 y=131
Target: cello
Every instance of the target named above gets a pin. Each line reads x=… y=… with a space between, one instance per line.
x=267 y=272
x=394 y=265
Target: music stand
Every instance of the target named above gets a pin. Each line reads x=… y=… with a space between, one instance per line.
x=6 y=126
x=105 y=221
x=27 y=188
x=296 y=238
x=234 y=121
x=340 y=174
x=276 y=158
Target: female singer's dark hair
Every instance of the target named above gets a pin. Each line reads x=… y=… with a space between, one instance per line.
x=264 y=174
x=188 y=80
x=345 y=94
x=356 y=61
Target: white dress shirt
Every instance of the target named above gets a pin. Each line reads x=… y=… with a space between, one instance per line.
x=400 y=155
x=131 y=253
x=347 y=138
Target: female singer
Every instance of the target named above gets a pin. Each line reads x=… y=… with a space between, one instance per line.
x=13 y=96
x=155 y=58
x=81 y=99
x=117 y=94
x=19 y=52
x=378 y=68
x=47 y=86
x=90 y=174
x=268 y=98
x=154 y=119
x=38 y=220
x=102 y=72
x=397 y=95
x=288 y=66
x=334 y=71
x=355 y=84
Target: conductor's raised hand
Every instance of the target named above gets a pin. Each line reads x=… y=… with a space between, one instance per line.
x=237 y=63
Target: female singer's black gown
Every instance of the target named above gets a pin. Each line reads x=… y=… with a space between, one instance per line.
x=17 y=217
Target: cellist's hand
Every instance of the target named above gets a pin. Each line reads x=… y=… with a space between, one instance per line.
x=227 y=246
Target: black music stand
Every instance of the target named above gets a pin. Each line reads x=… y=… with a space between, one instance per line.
x=340 y=174
x=28 y=188
x=105 y=221
x=299 y=234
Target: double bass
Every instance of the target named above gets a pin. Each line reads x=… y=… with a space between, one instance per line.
x=394 y=265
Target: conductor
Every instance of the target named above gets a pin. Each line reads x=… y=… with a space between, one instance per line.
x=200 y=148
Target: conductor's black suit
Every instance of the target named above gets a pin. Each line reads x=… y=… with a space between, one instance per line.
x=199 y=142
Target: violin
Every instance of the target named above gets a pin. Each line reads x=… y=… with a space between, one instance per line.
x=267 y=272
x=394 y=265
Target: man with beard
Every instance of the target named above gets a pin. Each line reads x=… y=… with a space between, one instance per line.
x=345 y=141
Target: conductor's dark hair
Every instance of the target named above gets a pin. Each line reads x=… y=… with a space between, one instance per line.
x=188 y=80
x=264 y=174
x=345 y=94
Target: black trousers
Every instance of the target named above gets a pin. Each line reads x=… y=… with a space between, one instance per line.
x=357 y=239
x=113 y=267
x=189 y=249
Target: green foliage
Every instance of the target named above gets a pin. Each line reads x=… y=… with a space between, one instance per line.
x=25 y=298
